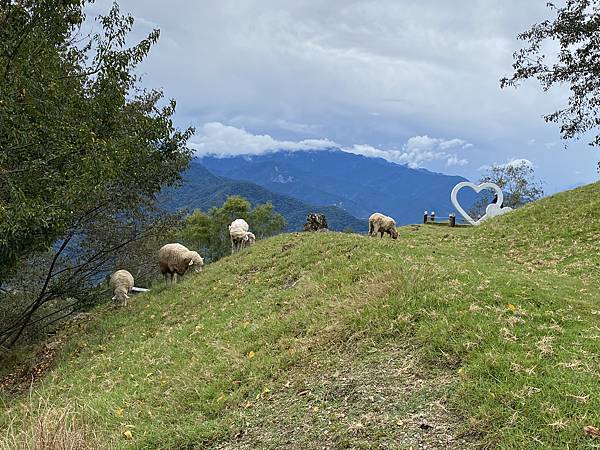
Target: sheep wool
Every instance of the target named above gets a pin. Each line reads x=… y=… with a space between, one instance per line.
x=240 y=223
x=379 y=223
x=121 y=283
x=175 y=259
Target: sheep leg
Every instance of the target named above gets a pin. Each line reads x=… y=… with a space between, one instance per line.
x=375 y=229
x=370 y=228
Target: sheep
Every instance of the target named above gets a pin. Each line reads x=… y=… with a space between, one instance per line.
x=121 y=283
x=176 y=259
x=240 y=236
x=378 y=223
x=249 y=240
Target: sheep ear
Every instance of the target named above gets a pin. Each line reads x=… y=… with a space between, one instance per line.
x=191 y=263
x=126 y=296
x=114 y=298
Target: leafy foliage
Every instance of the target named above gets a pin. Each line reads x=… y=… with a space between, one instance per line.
x=76 y=132
x=210 y=234
x=575 y=29
x=83 y=152
x=518 y=183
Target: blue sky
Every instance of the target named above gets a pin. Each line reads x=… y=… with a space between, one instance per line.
x=411 y=81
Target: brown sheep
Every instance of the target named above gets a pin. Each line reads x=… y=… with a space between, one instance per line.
x=378 y=223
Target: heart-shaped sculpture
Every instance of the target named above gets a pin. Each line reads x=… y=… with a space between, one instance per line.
x=492 y=210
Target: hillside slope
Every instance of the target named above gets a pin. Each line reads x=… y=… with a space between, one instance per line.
x=445 y=338
x=202 y=189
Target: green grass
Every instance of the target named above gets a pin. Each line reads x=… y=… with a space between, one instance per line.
x=484 y=336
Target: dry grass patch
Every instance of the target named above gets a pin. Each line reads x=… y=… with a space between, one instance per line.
x=43 y=427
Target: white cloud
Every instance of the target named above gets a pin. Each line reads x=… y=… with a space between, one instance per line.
x=517 y=162
x=225 y=140
x=512 y=162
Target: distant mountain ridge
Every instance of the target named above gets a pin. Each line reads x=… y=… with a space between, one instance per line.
x=202 y=189
x=360 y=185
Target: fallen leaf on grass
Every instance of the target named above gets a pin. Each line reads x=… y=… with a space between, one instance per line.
x=128 y=434
x=250 y=355
x=592 y=431
x=511 y=307
x=119 y=412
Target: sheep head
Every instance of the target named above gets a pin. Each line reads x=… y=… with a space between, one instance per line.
x=195 y=261
x=394 y=233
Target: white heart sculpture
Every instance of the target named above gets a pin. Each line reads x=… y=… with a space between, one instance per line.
x=492 y=210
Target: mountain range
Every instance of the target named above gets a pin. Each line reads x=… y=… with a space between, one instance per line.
x=202 y=189
x=347 y=188
x=359 y=185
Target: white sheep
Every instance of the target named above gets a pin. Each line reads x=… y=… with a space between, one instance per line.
x=121 y=283
x=176 y=259
x=379 y=223
x=240 y=236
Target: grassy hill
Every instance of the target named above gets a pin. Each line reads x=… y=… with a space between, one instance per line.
x=445 y=338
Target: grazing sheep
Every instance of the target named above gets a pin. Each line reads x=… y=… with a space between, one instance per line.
x=176 y=259
x=378 y=223
x=315 y=222
x=121 y=283
x=240 y=236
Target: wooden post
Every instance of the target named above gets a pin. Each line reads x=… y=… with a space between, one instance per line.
x=433 y=216
x=425 y=217
x=452 y=220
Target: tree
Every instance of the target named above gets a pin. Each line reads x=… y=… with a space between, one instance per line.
x=518 y=184
x=83 y=153
x=575 y=29
x=209 y=233
x=76 y=132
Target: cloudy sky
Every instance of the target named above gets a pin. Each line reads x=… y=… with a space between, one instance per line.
x=411 y=81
